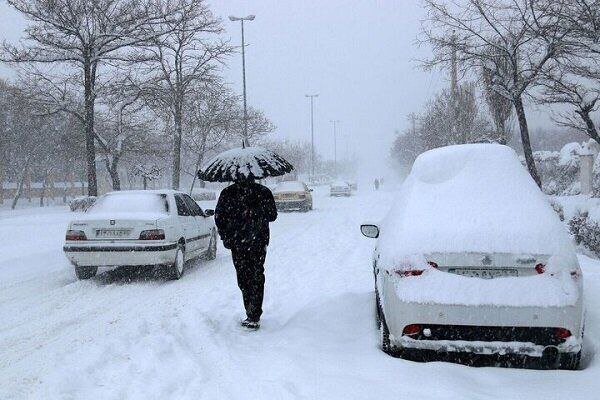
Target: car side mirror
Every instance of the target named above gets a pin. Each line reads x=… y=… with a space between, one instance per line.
x=209 y=213
x=370 y=231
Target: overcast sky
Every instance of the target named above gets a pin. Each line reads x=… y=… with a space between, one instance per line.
x=359 y=56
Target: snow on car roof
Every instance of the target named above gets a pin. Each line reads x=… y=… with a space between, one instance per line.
x=289 y=186
x=133 y=202
x=475 y=197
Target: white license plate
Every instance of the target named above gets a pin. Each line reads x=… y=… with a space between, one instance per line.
x=112 y=233
x=485 y=273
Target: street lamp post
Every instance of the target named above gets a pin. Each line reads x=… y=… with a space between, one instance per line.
x=242 y=19
x=335 y=122
x=312 y=135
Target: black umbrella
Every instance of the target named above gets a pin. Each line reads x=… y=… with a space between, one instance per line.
x=245 y=163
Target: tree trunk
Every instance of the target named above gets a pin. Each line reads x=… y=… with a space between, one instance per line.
x=43 y=192
x=177 y=147
x=20 y=187
x=590 y=127
x=520 y=110
x=112 y=168
x=198 y=163
x=90 y=150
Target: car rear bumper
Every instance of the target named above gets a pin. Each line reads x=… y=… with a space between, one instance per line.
x=291 y=204
x=482 y=329
x=340 y=193
x=120 y=254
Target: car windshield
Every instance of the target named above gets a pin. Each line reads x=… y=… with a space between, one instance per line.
x=131 y=203
x=291 y=186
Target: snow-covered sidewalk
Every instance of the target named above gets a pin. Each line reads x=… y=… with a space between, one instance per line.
x=120 y=338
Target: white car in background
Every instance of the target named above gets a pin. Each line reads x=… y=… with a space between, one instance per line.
x=293 y=195
x=340 y=188
x=140 y=228
x=473 y=265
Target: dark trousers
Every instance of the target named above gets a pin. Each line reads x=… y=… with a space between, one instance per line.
x=249 y=263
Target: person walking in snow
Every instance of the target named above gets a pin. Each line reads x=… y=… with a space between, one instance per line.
x=243 y=213
x=376 y=184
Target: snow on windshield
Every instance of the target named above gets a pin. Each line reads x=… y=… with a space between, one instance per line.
x=130 y=203
x=471 y=198
x=291 y=186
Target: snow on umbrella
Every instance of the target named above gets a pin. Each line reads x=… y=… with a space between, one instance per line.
x=245 y=163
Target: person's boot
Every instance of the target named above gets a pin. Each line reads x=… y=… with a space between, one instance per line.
x=251 y=324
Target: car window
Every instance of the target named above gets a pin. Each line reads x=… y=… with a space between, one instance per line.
x=182 y=207
x=193 y=206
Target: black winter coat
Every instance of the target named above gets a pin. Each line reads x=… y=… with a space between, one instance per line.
x=243 y=213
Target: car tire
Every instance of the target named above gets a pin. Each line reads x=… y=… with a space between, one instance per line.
x=85 y=272
x=570 y=361
x=211 y=253
x=176 y=269
x=386 y=345
x=377 y=310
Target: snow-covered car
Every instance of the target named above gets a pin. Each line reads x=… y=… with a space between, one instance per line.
x=340 y=188
x=140 y=228
x=472 y=263
x=293 y=195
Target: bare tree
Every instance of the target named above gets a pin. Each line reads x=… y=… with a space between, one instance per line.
x=513 y=39
x=209 y=125
x=83 y=35
x=178 y=63
x=123 y=127
x=574 y=79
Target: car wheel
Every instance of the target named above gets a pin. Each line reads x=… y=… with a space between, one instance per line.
x=386 y=345
x=85 y=272
x=176 y=270
x=377 y=310
x=211 y=253
x=570 y=361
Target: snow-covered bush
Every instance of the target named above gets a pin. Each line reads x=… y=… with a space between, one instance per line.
x=82 y=203
x=558 y=208
x=559 y=169
x=586 y=231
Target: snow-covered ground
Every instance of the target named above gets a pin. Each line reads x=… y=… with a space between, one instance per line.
x=122 y=336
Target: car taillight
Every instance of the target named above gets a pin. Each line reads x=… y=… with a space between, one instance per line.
x=75 y=235
x=409 y=272
x=540 y=268
x=562 y=333
x=412 y=329
x=152 y=234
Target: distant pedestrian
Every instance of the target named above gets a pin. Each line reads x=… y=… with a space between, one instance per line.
x=242 y=216
x=376 y=184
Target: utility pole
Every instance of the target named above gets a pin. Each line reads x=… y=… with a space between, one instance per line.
x=335 y=121
x=242 y=19
x=312 y=135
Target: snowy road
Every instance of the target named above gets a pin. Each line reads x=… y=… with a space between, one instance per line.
x=121 y=336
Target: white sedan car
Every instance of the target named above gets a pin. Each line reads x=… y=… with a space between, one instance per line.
x=340 y=188
x=473 y=265
x=140 y=228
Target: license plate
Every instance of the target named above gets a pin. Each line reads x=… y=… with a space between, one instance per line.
x=485 y=273
x=112 y=233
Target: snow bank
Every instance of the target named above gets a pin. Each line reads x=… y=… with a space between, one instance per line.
x=476 y=198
